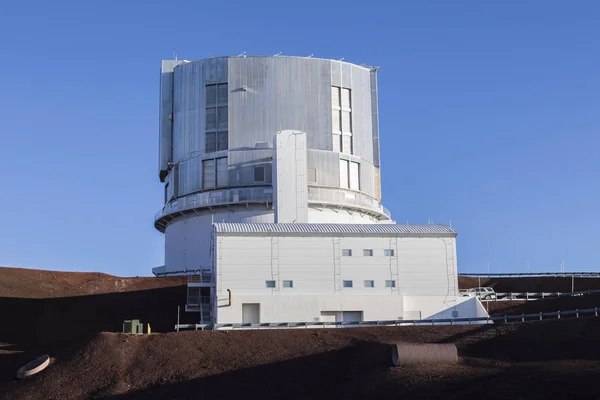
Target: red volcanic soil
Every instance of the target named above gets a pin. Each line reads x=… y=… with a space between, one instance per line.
x=70 y=316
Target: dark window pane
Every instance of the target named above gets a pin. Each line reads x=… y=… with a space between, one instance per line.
x=211 y=95
x=222 y=141
x=211 y=142
x=222 y=93
x=211 y=119
x=223 y=117
x=259 y=174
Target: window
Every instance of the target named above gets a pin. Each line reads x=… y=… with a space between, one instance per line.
x=216 y=127
x=215 y=173
x=390 y=283
x=288 y=284
x=344 y=183
x=341 y=119
x=368 y=252
x=369 y=283
x=347 y=283
x=259 y=174
x=270 y=284
x=346 y=252
x=167 y=193
x=349 y=175
x=311 y=175
x=388 y=252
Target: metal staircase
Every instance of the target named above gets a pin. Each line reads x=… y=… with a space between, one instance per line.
x=198 y=295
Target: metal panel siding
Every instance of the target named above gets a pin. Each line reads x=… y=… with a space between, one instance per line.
x=189 y=111
x=367 y=178
x=361 y=113
x=375 y=117
x=242 y=163
x=326 y=165
x=394 y=229
x=165 y=109
x=190 y=176
x=269 y=94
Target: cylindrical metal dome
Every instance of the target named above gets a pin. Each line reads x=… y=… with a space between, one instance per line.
x=218 y=118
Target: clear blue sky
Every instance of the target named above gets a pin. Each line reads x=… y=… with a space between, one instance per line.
x=489 y=117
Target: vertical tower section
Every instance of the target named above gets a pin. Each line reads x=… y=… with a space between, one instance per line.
x=289 y=177
x=218 y=121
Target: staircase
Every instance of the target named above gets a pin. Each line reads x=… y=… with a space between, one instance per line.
x=199 y=300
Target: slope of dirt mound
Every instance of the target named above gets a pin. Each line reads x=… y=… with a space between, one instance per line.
x=534 y=284
x=36 y=284
x=541 y=359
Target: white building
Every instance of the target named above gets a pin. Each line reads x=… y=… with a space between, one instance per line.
x=335 y=272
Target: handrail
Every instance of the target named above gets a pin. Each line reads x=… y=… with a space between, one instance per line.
x=531 y=274
x=442 y=321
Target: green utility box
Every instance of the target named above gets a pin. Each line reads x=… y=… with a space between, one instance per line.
x=133 y=326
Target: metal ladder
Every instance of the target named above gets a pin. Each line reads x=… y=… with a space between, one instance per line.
x=450 y=272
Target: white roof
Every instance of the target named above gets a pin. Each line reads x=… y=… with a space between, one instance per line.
x=429 y=230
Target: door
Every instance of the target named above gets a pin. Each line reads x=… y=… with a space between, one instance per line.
x=250 y=313
x=351 y=316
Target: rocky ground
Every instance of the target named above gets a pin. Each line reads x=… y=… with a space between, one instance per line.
x=74 y=317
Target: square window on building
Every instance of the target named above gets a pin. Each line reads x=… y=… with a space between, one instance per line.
x=259 y=174
x=210 y=142
x=368 y=252
x=211 y=95
x=270 y=284
x=347 y=252
x=390 y=284
x=388 y=252
x=344 y=183
x=347 y=284
x=222 y=140
x=311 y=175
x=369 y=283
x=288 y=284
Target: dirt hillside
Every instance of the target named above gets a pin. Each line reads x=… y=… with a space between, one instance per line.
x=63 y=314
x=531 y=360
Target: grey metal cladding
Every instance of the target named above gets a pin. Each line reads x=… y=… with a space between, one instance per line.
x=189 y=111
x=165 y=109
x=375 y=117
x=270 y=94
x=243 y=162
x=367 y=178
x=326 y=165
x=190 y=175
x=361 y=113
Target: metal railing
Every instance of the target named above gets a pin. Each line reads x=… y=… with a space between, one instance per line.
x=195 y=300
x=213 y=198
x=346 y=198
x=532 y=274
x=589 y=312
x=529 y=296
x=201 y=277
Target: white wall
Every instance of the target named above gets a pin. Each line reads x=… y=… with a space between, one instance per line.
x=187 y=239
x=317 y=268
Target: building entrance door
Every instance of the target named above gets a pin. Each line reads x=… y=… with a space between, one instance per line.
x=250 y=313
